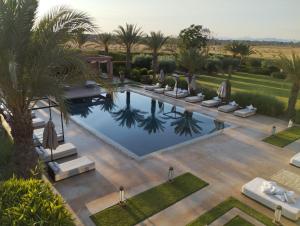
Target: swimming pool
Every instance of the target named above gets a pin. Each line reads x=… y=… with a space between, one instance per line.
x=141 y=125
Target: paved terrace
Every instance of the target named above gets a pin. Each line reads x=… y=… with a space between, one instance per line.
x=226 y=161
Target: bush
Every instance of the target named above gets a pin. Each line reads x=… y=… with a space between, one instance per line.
x=230 y=61
x=279 y=75
x=142 y=61
x=270 y=66
x=146 y=79
x=150 y=72
x=168 y=66
x=254 y=62
x=208 y=92
x=31 y=202
x=182 y=83
x=143 y=71
x=267 y=105
x=170 y=81
x=135 y=75
x=213 y=65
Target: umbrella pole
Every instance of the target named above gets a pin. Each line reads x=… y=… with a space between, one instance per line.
x=51 y=154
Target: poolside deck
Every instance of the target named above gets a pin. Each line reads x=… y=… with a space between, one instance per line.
x=226 y=161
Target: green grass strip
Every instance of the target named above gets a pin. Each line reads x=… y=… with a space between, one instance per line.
x=219 y=210
x=150 y=202
x=285 y=137
x=238 y=221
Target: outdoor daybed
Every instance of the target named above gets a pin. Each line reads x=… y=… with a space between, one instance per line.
x=38 y=123
x=71 y=168
x=216 y=101
x=232 y=106
x=271 y=195
x=162 y=90
x=181 y=93
x=152 y=87
x=38 y=136
x=246 y=112
x=62 y=151
x=295 y=160
x=194 y=99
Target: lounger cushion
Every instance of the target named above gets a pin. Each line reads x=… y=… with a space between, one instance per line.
x=159 y=90
x=180 y=94
x=244 y=112
x=227 y=108
x=295 y=160
x=156 y=86
x=61 y=151
x=38 y=123
x=253 y=189
x=211 y=103
x=71 y=168
x=193 y=99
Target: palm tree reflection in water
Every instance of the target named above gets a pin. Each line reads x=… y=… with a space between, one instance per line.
x=152 y=123
x=128 y=116
x=107 y=104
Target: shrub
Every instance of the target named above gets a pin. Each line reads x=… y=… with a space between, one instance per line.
x=31 y=202
x=168 y=66
x=213 y=65
x=208 y=92
x=170 y=81
x=150 y=72
x=143 y=71
x=182 y=83
x=254 y=62
x=142 y=61
x=230 y=61
x=267 y=105
x=135 y=75
x=146 y=79
x=116 y=56
x=278 y=74
x=270 y=66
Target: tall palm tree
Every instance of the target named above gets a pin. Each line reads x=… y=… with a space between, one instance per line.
x=240 y=49
x=155 y=41
x=34 y=62
x=291 y=66
x=129 y=36
x=128 y=116
x=105 y=39
x=81 y=38
x=234 y=48
x=152 y=123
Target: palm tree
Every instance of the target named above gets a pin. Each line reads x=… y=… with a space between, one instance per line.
x=129 y=36
x=34 y=62
x=128 y=116
x=81 y=38
x=105 y=39
x=107 y=104
x=155 y=41
x=152 y=123
x=240 y=49
x=186 y=124
x=234 y=48
x=291 y=66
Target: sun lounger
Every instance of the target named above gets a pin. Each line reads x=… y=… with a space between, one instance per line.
x=256 y=189
x=232 y=106
x=246 y=112
x=90 y=84
x=162 y=90
x=179 y=94
x=38 y=136
x=33 y=115
x=194 y=99
x=61 y=151
x=71 y=168
x=216 y=101
x=152 y=87
x=295 y=160
x=38 y=123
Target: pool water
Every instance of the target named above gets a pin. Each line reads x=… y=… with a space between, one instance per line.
x=140 y=124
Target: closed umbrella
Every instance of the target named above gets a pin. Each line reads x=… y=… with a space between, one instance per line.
x=50 y=137
x=222 y=90
x=162 y=75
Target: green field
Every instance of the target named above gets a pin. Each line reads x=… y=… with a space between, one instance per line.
x=285 y=137
x=238 y=221
x=149 y=202
x=244 y=82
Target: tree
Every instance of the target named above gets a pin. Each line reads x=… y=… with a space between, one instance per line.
x=81 y=38
x=240 y=49
x=291 y=66
x=155 y=41
x=34 y=62
x=129 y=36
x=186 y=124
x=194 y=36
x=105 y=39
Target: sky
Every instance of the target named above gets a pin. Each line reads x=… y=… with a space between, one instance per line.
x=225 y=18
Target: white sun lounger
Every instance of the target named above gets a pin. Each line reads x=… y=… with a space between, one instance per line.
x=216 y=101
x=71 y=168
x=151 y=88
x=38 y=123
x=179 y=94
x=194 y=99
x=232 y=106
x=295 y=160
x=253 y=190
x=162 y=90
x=246 y=112
x=62 y=151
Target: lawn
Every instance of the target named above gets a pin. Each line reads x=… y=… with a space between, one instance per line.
x=285 y=137
x=219 y=210
x=244 y=82
x=238 y=221
x=150 y=202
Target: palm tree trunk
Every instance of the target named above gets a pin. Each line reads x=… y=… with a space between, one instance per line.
x=155 y=64
x=25 y=159
x=128 y=59
x=293 y=100
x=106 y=49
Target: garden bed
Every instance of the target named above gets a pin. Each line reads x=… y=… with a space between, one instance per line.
x=285 y=137
x=150 y=202
x=218 y=211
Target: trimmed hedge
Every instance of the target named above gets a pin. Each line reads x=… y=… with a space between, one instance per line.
x=142 y=61
x=267 y=105
x=208 y=92
x=182 y=83
x=168 y=66
x=31 y=202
